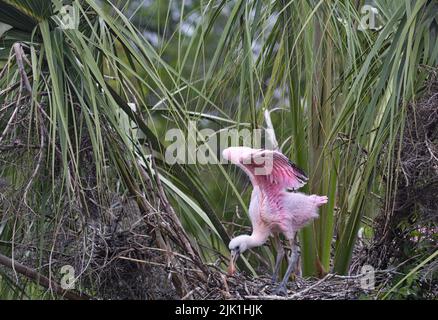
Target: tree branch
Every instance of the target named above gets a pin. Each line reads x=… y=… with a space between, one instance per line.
x=40 y=279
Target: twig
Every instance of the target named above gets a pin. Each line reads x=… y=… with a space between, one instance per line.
x=299 y=293
x=19 y=54
x=10 y=88
x=328 y=276
x=9 y=124
x=41 y=280
x=190 y=293
x=154 y=263
x=268 y=297
x=6 y=65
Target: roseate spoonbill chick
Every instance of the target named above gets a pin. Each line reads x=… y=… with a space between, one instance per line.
x=275 y=206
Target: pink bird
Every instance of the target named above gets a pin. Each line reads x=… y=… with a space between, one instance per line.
x=275 y=205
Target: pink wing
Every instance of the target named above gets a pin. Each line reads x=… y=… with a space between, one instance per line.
x=275 y=168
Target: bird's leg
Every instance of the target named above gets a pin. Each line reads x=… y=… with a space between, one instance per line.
x=280 y=255
x=282 y=288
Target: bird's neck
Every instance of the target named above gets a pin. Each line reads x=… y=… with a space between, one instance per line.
x=256 y=239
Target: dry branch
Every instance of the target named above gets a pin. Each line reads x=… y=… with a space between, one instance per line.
x=38 y=278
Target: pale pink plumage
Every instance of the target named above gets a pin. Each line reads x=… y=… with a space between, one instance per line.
x=275 y=207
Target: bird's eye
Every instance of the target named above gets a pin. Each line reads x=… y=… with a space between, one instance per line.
x=290 y=190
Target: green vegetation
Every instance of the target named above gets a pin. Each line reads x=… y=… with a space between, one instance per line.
x=337 y=97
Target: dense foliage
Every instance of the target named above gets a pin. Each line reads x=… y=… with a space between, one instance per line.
x=84 y=113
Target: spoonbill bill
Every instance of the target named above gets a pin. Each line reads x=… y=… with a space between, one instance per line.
x=275 y=206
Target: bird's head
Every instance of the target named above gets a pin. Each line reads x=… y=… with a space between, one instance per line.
x=237 y=246
x=253 y=161
x=237 y=154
